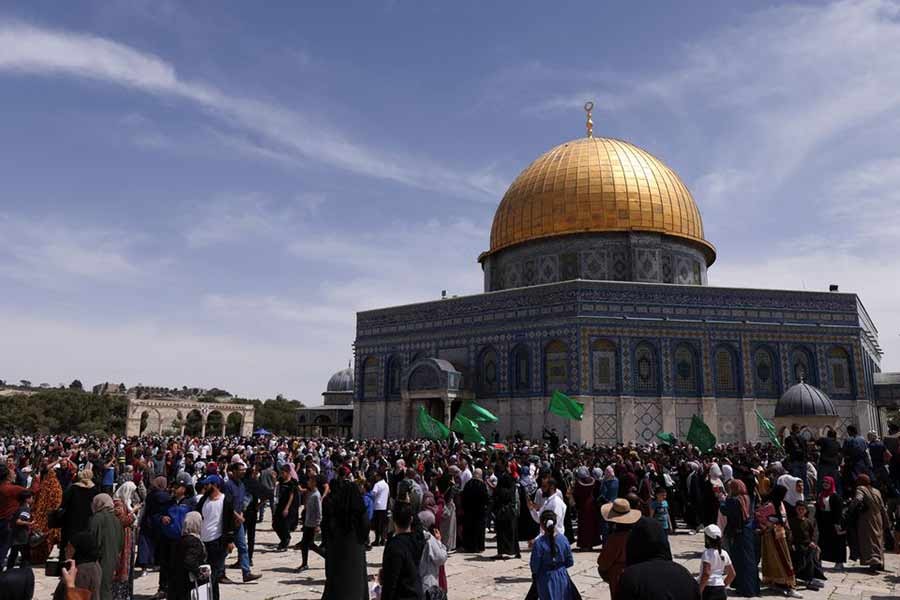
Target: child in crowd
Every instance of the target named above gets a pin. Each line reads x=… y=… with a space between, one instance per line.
x=375 y=592
x=21 y=530
x=659 y=510
x=805 y=555
x=716 y=570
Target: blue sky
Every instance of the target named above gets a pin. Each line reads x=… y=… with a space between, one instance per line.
x=204 y=194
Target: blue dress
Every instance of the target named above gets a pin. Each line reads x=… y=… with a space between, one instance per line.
x=550 y=575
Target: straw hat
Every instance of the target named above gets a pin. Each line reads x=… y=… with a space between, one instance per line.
x=619 y=511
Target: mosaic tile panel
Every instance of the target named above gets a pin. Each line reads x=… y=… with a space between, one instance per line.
x=647 y=420
x=606 y=423
x=731 y=421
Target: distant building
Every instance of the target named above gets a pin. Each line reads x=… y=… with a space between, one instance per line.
x=109 y=389
x=335 y=417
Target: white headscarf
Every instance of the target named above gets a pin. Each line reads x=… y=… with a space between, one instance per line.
x=125 y=493
x=792 y=496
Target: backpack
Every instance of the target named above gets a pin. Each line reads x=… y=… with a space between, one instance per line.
x=176 y=514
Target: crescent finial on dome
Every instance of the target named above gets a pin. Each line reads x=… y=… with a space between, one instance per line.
x=588 y=107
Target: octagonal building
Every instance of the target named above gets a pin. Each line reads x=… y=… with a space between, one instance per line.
x=595 y=284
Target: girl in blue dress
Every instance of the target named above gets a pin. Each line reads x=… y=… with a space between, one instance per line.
x=551 y=555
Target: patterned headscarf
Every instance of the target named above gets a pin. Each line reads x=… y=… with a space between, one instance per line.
x=738 y=490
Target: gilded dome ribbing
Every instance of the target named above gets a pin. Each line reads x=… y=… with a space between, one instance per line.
x=596 y=184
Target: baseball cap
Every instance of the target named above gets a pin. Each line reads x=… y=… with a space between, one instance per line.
x=184 y=479
x=212 y=480
x=712 y=531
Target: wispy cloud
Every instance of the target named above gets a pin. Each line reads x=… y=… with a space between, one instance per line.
x=51 y=254
x=278 y=131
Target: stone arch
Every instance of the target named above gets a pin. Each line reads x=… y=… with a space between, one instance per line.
x=234 y=423
x=215 y=423
x=765 y=372
x=193 y=423
x=839 y=373
x=370 y=378
x=393 y=376
x=802 y=366
x=151 y=422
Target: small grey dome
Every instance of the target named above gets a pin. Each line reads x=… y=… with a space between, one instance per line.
x=803 y=400
x=342 y=381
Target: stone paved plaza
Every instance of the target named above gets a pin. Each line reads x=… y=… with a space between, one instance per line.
x=473 y=576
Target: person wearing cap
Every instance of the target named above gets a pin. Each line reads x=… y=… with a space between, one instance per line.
x=716 y=570
x=611 y=562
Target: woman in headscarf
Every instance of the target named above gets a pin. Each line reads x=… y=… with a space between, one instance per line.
x=871 y=523
x=122 y=582
x=434 y=555
x=474 y=501
x=83 y=550
x=609 y=491
x=650 y=572
x=794 y=495
x=771 y=518
x=694 y=496
x=739 y=538
x=450 y=490
x=585 y=493
x=48 y=499
x=829 y=516
x=345 y=533
x=505 y=506
x=107 y=531
x=76 y=507
x=150 y=532
x=127 y=495
x=189 y=555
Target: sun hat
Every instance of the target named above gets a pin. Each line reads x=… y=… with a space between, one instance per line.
x=620 y=511
x=712 y=532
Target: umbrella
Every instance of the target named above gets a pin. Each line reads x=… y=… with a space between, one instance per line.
x=262 y=431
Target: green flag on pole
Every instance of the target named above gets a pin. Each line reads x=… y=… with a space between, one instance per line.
x=700 y=435
x=565 y=407
x=467 y=428
x=430 y=427
x=668 y=438
x=769 y=428
x=477 y=413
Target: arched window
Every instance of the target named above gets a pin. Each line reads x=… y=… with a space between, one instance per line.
x=556 y=366
x=685 y=370
x=802 y=366
x=488 y=380
x=603 y=365
x=764 y=374
x=370 y=377
x=520 y=369
x=394 y=370
x=646 y=370
x=726 y=372
x=839 y=370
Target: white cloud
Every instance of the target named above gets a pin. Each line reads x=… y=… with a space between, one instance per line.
x=51 y=254
x=276 y=131
x=156 y=353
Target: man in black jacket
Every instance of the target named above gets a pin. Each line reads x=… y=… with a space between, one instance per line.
x=217 y=532
x=400 y=562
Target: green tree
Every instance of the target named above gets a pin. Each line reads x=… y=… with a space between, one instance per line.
x=76 y=385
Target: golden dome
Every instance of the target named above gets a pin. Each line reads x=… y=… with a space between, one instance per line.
x=592 y=185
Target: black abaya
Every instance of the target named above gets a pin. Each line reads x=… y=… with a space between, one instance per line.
x=475 y=501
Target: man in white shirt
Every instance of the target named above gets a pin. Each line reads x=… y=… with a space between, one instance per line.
x=380 y=494
x=217 y=530
x=549 y=498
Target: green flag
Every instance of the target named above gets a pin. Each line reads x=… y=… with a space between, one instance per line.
x=668 y=438
x=467 y=428
x=768 y=427
x=477 y=413
x=430 y=427
x=700 y=435
x=565 y=407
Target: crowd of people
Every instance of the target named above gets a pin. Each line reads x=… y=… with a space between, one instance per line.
x=104 y=510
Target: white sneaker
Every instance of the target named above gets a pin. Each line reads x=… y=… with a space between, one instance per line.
x=792 y=594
